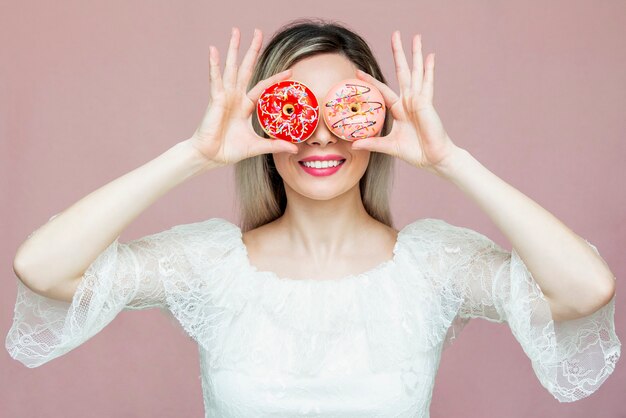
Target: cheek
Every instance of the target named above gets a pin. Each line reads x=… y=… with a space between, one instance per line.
x=282 y=164
x=361 y=159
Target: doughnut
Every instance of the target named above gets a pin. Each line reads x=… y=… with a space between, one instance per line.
x=288 y=110
x=354 y=109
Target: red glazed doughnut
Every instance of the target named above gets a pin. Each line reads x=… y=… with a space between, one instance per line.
x=354 y=109
x=288 y=110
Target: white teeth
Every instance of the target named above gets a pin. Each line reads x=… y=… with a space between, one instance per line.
x=321 y=164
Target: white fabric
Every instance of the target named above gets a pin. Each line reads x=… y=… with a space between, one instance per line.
x=365 y=345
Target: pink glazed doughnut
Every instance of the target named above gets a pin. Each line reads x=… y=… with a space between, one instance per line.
x=354 y=109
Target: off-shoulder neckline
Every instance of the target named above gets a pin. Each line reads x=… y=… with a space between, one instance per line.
x=387 y=264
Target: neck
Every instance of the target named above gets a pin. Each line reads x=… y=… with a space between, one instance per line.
x=326 y=228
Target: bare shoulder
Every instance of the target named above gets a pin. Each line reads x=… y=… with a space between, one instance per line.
x=389 y=231
x=258 y=236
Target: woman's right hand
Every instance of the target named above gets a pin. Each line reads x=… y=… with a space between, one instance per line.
x=225 y=135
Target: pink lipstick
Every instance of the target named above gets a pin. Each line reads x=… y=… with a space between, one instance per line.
x=315 y=164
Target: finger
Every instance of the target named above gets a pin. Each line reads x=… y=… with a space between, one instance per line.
x=429 y=78
x=402 y=67
x=214 y=70
x=255 y=93
x=418 y=65
x=230 y=69
x=377 y=144
x=271 y=146
x=389 y=95
x=257 y=90
x=247 y=65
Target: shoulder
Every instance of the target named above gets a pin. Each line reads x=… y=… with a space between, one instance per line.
x=435 y=226
x=213 y=226
x=427 y=229
x=213 y=236
x=261 y=236
x=438 y=233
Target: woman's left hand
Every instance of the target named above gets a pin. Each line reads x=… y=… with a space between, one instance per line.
x=417 y=135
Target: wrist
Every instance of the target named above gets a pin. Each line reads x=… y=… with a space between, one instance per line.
x=194 y=160
x=451 y=167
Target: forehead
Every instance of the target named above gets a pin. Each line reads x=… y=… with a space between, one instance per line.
x=320 y=72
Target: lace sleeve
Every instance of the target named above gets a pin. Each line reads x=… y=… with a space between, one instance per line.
x=124 y=276
x=571 y=358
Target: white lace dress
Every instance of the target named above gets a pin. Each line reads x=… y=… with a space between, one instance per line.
x=365 y=345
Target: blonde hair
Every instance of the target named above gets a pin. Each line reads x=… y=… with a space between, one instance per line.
x=260 y=189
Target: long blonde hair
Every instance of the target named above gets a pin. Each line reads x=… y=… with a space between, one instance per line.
x=260 y=189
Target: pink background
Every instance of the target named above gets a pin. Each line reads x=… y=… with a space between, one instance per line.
x=91 y=91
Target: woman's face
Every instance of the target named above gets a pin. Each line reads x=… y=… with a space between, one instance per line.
x=320 y=73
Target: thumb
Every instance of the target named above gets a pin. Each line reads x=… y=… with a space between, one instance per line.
x=270 y=145
x=373 y=143
x=285 y=146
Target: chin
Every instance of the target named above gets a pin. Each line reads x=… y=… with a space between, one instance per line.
x=319 y=191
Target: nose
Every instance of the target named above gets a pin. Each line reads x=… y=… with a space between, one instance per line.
x=321 y=136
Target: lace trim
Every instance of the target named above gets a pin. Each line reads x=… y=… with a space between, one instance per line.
x=238 y=311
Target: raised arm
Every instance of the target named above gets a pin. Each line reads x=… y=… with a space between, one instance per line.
x=52 y=260
x=574 y=278
x=75 y=275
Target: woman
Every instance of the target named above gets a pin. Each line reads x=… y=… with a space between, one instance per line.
x=353 y=321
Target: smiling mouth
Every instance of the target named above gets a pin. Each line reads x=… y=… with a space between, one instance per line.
x=340 y=163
